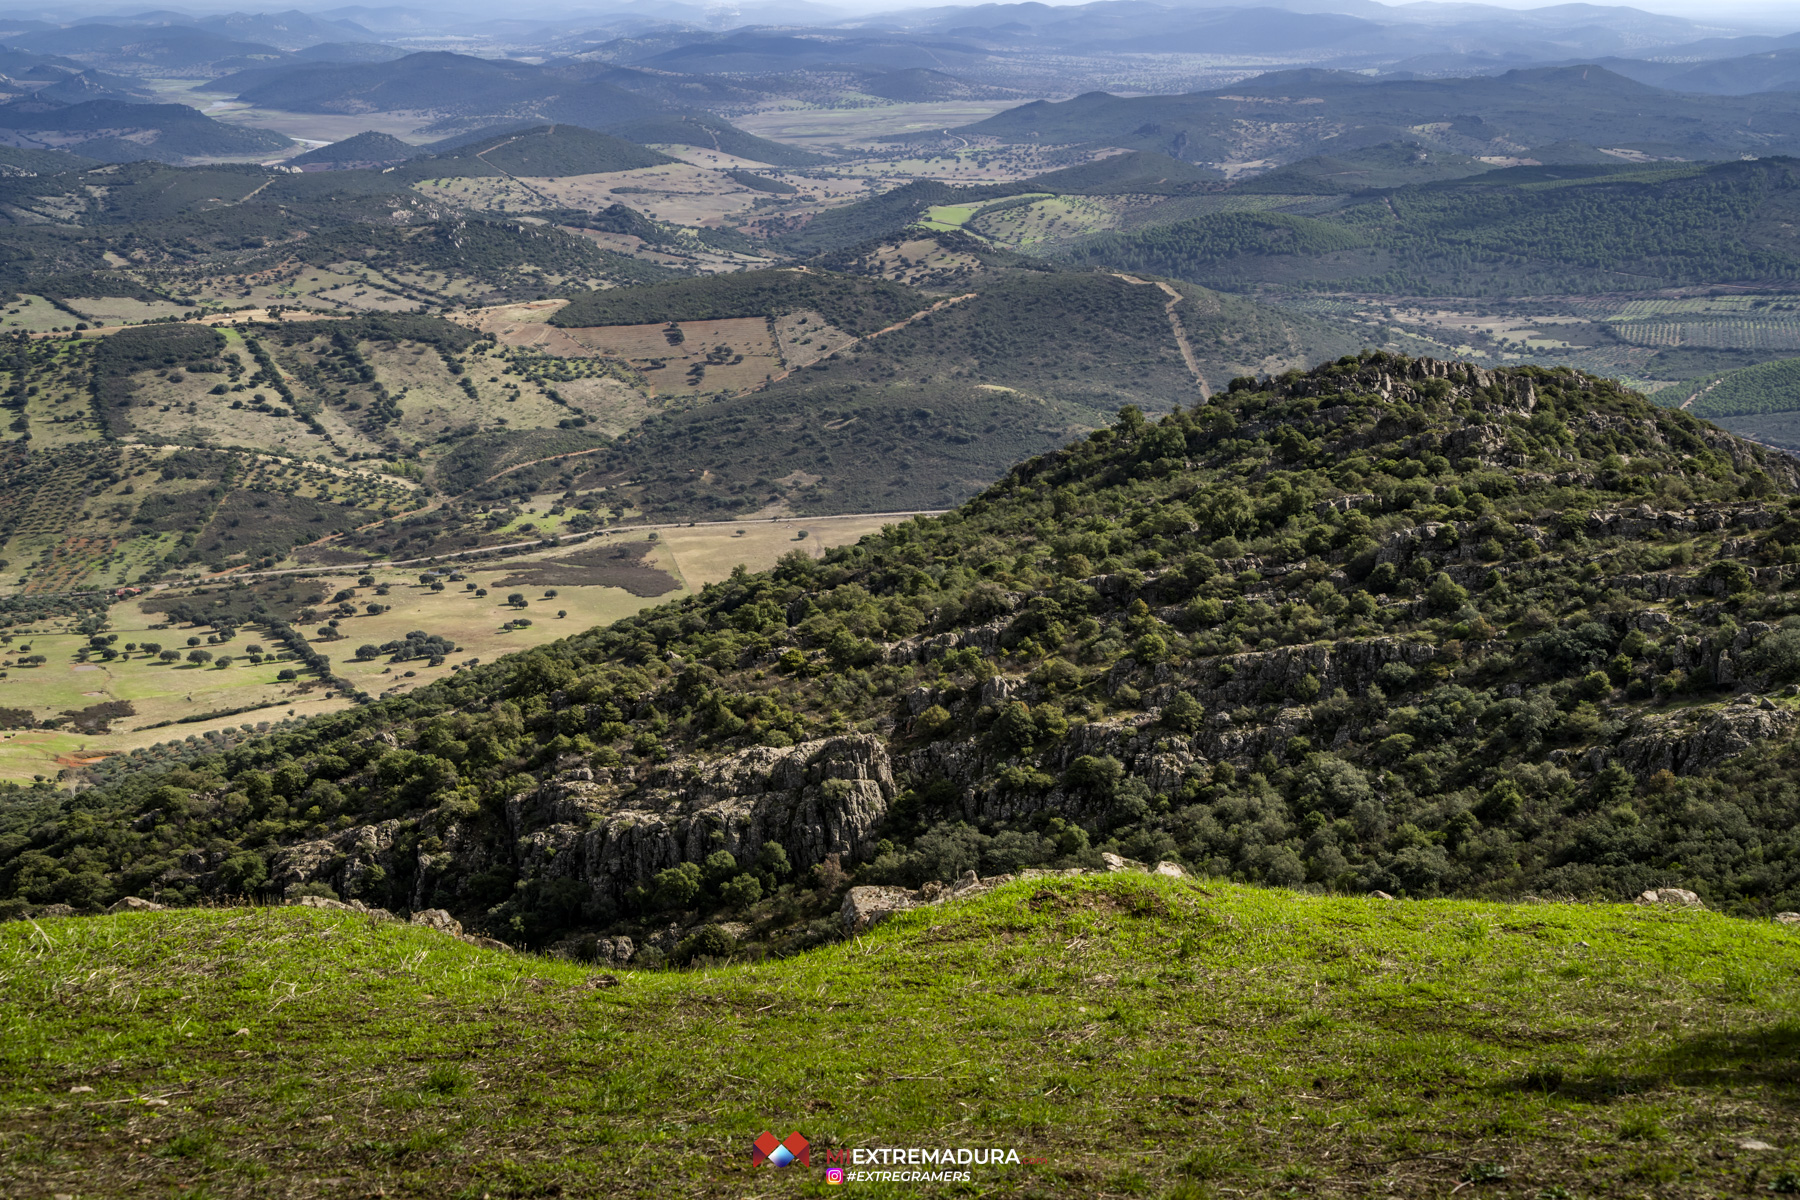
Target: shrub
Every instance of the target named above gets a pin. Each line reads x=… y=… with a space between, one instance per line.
x=1777 y=655
x=1099 y=774
x=933 y=720
x=1445 y=594
x=242 y=873
x=720 y=866
x=676 y=887
x=708 y=941
x=772 y=860
x=1183 y=713
x=741 y=891
x=1151 y=648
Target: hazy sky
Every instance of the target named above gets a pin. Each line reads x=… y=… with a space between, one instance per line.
x=1777 y=15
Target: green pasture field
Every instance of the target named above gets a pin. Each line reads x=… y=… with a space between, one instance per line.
x=950 y=217
x=122 y=310
x=1123 y=1035
x=158 y=692
x=33 y=314
x=1056 y=218
x=473 y=623
x=692 y=557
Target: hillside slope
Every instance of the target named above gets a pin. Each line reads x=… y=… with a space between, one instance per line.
x=1400 y=1049
x=1390 y=624
x=923 y=414
x=1289 y=115
x=1520 y=231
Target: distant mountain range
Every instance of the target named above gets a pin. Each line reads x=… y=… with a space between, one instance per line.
x=475 y=92
x=1287 y=115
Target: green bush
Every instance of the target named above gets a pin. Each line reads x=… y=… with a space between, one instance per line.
x=708 y=941
x=741 y=891
x=676 y=887
x=1183 y=713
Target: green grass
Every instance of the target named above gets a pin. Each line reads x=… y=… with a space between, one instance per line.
x=1137 y=1036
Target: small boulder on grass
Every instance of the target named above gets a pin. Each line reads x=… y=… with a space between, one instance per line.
x=438 y=919
x=1679 y=897
x=135 y=904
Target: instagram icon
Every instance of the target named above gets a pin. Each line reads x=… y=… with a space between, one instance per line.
x=834 y=1175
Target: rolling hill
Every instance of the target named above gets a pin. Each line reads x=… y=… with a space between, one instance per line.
x=117 y=131
x=545 y=151
x=1519 y=231
x=1290 y=115
x=920 y=399
x=361 y=150
x=474 y=93
x=1388 y=624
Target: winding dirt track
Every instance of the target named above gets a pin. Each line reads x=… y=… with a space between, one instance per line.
x=1176 y=328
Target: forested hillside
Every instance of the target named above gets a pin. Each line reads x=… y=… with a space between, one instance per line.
x=1394 y=624
x=1519 y=231
x=1299 y=113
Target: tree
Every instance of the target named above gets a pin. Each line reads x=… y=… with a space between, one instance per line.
x=676 y=887
x=1183 y=713
x=741 y=891
x=170 y=656
x=200 y=656
x=1015 y=727
x=1445 y=594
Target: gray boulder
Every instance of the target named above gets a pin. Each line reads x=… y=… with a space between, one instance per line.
x=1679 y=897
x=438 y=919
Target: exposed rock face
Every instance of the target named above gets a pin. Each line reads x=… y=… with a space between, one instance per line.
x=818 y=798
x=609 y=831
x=1688 y=742
x=1679 y=897
x=1351 y=665
x=135 y=904
x=342 y=860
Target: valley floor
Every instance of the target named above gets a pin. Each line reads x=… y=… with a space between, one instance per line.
x=1126 y=1035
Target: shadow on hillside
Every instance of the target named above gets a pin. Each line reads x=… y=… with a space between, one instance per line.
x=1768 y=1056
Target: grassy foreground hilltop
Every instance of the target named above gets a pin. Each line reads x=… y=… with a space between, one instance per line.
x=1139 y=1036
